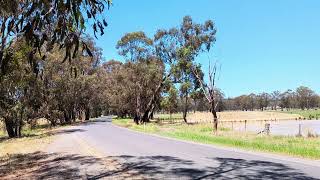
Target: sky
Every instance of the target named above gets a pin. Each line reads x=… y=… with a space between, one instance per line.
x=262 y=45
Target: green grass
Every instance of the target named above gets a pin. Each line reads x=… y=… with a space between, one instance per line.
x=308 y=114
x=202 y=133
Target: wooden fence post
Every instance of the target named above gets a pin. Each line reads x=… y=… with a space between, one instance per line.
x=245 y=125
x=232 y=125
x=299 y=134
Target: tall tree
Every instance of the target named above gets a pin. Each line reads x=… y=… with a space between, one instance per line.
x=136 y=47
x=177 y=45
x=209 y=90
x=305 y=97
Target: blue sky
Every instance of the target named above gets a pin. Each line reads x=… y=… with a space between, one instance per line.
x=262 y=45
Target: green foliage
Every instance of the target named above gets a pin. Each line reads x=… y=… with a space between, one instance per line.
x=59 y=92
x=135 y=46
x=48 y=23
x=170 y=102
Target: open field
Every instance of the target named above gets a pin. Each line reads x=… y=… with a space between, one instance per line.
x=308 y=114
x=294 y=146
x=234 y=116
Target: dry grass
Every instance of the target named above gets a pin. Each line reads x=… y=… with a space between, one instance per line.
x=241 y=116
x=35 y=141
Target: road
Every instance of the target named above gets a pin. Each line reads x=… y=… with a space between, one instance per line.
x=163 y=158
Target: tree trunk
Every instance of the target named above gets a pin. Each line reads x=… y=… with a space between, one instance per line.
x=138 y=107
x=9 y=127
x=67 y=117
x=87 y=114
x=145 y=117
x=73 y=116
x=215 y=117
x=152 y=111
x=215 y=120
x=185 y=110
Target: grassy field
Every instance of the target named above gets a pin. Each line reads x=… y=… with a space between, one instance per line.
x=233 y=116
x=202 y=133
x=167 y=116
x=308 y=114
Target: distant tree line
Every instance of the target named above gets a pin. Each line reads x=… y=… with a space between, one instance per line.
x=301 y=98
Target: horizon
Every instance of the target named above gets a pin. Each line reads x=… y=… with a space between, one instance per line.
x=284 y=40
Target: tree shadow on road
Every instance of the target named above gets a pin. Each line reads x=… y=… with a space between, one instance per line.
x=158 y=167
x=40 y=165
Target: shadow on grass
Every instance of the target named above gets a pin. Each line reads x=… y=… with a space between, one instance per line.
x=45 y=134
x=38 y=128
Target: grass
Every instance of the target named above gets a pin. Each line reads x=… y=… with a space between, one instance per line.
x=231 y=116
x=308 y=114
x=202 y=133
x=167 y=116
x=32 y=140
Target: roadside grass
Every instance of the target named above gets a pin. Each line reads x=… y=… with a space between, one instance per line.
x=202 y=133
x=308 y=114
x=32 y=140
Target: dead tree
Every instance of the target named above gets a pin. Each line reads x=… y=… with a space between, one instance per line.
x=209 y=90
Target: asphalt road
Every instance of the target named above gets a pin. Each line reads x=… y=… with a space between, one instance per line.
x=163 y=158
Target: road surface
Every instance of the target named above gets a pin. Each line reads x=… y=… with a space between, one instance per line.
x=162 y=158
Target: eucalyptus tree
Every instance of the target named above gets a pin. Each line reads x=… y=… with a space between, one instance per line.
x=210 y=90
x=263 y=101
x=14 y=89
x=137 y=49
x=306 y=97
x=170 y=102
x=275 y=98
x=180 y=44
x=44 y=23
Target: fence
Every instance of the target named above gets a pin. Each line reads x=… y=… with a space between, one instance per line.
x=287 y=127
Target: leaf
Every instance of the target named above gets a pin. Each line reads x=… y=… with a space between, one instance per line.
x=95 y=30
x=85 y=47
x=105 y=23
x=109 y=3
x=89 y=14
